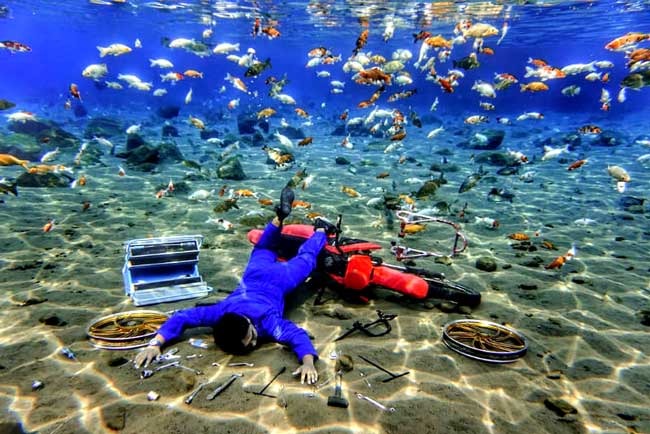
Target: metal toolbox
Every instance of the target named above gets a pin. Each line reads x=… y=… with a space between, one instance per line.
x=158 y=270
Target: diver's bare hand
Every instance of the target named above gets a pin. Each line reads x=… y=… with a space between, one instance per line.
x=307 y=371
x=146 y=356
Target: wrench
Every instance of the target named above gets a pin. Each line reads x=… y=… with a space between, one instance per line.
x=187 y=368
x=379 y=405
x=191 y=396
x=232 y=365
x=223 y=387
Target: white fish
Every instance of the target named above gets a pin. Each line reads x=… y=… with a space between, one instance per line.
x=129 y=78
x=95 y=71
x=579 y=68
x=188 y=97
x=604 y=64
x=160 y=63
x=434 y=105
x=206 y=34
x=390 y=148
x=593 y=76
x=285 y=99
x=114 y=85
x=414 y=180
x=584 y=221
x=434 y=133
x=424 y=49
x=621 y=95
x=315 y=61
x=160 y=92
x=482 y=138
x=553 y=152
x=133 y=129
x=528 y=176
x=284 y=140
x=323 y=74
x=644 y=142
x=530 y=115
x=104 y=142
x=49 y=156
x=200 y=195
x=389 y=30
x=137 y=43
x=21 y=117
x=504 y=31
x=572 y=90
x=113 y=50
x=225 y=48
x=487 y=221
x=485 y=89
x=403 y=80
x=221 y=223
x=182 y=43
x=141 y=85
x=337 y=83
x=643 y=158
x=171 y=76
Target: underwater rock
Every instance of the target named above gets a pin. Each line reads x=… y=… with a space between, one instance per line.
x=206 y=134
x=486 y=263
x=114 y=417
x=169 y=131
x=46 y=131
x=339 y=131
x=342 y=161
x=255 y=220
x=45 y=180
x=52 y=320
x=92 y=154
x=224 y=205
x=169 y=153
x=292 y=133
x=168 y=111
x=445 y=168
x=257 y=139
x=429 y=188
x=493 y=158
x=610 y=139
x=631 y=204
x=645 y=317
x=247 y=123
x=559 y=406
x=103 y=127
x=494 y=140
x=142 y=156
x=21 y=146
x=5 y=104
x=231 y=169
x=134 y=141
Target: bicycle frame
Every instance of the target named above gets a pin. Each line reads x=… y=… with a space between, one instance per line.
x=410 y=217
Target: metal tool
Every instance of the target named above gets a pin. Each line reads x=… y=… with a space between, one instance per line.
x=261 y=392
x=377 y=404
x=223 y=386
x=383 y=320
x=392 y=376
x=192 y=395
x=365 y=379
x=187 y=368
x=168 y=365
x=169 y=355
x=233 y=365
x=337 y=399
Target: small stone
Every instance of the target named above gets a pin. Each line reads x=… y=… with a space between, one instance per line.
x=152 y=396
x=117 y=361
x=528 y=286
x=465 y=310
x=554 y=375
x=52 y=320
x=344 y=363
x=559 y=406
x=447 y=306
x=342 y=161
x=445 y=260
x=619 y=239
x=486 y=263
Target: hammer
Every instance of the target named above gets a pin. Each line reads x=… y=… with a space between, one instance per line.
x=337 y=400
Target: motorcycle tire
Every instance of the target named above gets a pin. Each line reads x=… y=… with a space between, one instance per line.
x=448 y=290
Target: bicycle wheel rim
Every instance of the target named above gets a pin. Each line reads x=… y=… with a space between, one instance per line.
x=114 y=345
x=126 y=326
x=507 y=344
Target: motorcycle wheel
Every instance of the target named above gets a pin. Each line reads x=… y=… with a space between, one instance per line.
x=454 y=291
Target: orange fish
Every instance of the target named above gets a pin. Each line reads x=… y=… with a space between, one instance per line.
x=538 y=62
x=627 y=40
x=271 y=32
x=361 y=42
x=74 y=91
x=300 y=204
x=437 y=42
x=413 y=228
x=446 y=85
x=265 y=113
x=350 y=191
x=487 y=50
x=265 y=202
x=343 y=116
x=10 y=160
x=318 y=52
x=382 y=175
x=193 y=74
x=576 y=164
x=535 y=86
x=244 y=193
x=300 y=112
x=48 y=226
x=375 y=74
x=222 y=190
x=398 y=136
x=590 y=129
x=160 y=194
x=121 y=171
x=81 y=181
x=558 y=262
x=312 y=215
x=306 y=141
x=85 y=206
x=519 y=236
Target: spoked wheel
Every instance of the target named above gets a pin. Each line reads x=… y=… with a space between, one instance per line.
x=125 y=330
x=485 y=340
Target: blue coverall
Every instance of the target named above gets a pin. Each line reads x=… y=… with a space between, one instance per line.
x=260 y=295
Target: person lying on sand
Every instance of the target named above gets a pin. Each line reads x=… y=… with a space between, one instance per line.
x=253 y=312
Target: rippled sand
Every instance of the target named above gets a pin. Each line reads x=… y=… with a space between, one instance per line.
x=583 y=322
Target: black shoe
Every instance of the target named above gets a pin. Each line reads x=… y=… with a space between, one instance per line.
x=330 y=228
x=286 y=201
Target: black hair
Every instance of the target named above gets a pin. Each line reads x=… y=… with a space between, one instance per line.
x=229 y=332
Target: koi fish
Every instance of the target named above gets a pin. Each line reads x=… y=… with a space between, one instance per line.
x=558 y=262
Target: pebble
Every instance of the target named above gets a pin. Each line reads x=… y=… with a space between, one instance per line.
x=559 y=406
x=486 y=263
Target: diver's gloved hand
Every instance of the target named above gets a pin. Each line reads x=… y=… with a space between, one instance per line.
x=286 y=201
x=322 y=223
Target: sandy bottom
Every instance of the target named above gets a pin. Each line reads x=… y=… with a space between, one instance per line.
x=587 y=344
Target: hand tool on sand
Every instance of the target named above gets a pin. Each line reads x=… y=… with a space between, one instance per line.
x=337 y=400
x=216 y=392
x=192 y=395
x=392 y=376
x=377 y=404
x=261 y=392
x=383 y=320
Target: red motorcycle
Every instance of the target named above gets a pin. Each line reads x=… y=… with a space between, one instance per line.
x=350 y=264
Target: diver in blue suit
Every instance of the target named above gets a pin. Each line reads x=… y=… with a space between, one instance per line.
x=254 y=311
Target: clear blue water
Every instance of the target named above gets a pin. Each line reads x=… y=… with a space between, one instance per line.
x=63 y=41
